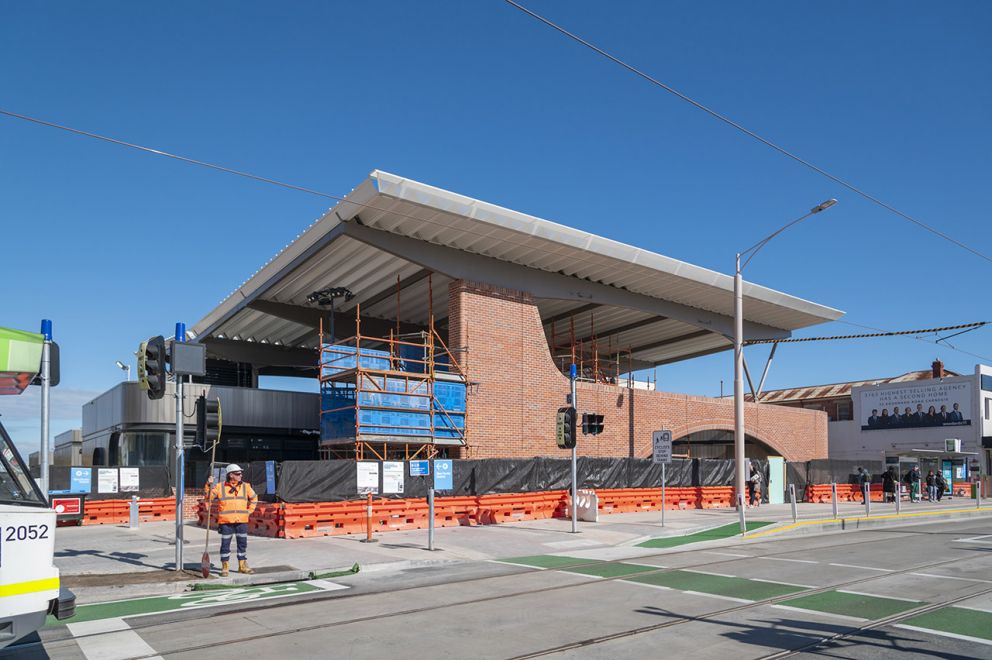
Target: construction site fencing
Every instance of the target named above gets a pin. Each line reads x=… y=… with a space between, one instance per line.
x=335 y=481
x=153 y=482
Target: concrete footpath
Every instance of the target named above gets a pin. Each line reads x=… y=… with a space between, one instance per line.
x=108 y=562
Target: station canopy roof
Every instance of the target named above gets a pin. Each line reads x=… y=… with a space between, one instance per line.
x=659 y=309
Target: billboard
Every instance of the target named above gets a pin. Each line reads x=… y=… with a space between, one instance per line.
x=929 y=404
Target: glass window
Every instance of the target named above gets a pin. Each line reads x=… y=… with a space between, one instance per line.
x=987 y=383
x=144 y=448
x=16 y=486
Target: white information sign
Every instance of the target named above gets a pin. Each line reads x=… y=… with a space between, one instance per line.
x=392 y=477
x=129 y=479
x=661 y=447
x=106 y=480
x=368 y=477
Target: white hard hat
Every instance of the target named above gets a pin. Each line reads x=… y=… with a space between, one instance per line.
x=233 y=467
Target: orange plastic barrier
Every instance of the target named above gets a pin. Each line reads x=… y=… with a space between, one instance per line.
x=821 y=493
x=118 y=512
x=306 y=520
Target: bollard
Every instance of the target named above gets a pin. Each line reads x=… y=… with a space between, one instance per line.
x=368 y=522
x=978 y=494
x=898 y=498
x=740 y=510
x=792 y=500
x=866 y=494
x=430 y=519
x=833 y=498
x=132 y=519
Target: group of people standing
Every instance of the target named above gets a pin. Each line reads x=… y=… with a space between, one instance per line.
x=934 y=481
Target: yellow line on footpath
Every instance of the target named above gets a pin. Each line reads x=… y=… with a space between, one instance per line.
x=805 y=523
x=33 y=586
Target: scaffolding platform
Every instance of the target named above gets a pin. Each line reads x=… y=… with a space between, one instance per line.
x=382 y=397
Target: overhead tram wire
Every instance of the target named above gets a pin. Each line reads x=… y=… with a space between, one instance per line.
x=765 y=141
x=310 y=191
x=881 y=333
x=924 y=339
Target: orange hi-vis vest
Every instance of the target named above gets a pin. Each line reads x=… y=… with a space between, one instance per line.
x=234 y=503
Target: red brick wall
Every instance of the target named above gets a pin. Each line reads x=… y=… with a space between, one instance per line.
x=518 y=389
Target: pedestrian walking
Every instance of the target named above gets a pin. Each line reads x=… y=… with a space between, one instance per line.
x=913 y=479
x=941 y=486
x=864 y=482
x=931 y=486
x=889 y=484
x=235 y=502
x=754 y=487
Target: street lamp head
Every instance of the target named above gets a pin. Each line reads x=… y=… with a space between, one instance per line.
x=824 y=206
x=122 y=366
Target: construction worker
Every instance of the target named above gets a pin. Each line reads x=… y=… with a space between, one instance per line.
x=235 y=502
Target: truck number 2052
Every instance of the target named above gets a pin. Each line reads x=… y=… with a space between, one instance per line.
x=26 y=533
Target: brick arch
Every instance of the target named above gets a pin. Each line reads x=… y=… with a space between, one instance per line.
x=759 y=435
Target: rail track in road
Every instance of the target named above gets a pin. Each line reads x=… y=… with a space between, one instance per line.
x=584 y=643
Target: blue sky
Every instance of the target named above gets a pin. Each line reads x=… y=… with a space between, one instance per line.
x=477 y=98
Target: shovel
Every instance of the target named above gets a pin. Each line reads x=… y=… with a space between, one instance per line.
x=205 y=560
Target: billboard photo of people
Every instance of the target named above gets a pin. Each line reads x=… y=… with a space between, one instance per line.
x=916 y=406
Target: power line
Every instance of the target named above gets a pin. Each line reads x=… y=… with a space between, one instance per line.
x=746 y=131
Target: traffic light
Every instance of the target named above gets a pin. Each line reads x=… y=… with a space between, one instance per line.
x=565 y=428
x=592 y=424
x=152 y=358
x=208 y=422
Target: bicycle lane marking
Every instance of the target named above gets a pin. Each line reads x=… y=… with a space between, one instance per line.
x=136 y=607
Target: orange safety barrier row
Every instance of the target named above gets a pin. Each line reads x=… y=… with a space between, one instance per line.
x=821 y=493
x=305 y=520
x=627 y=500
x=118 y=512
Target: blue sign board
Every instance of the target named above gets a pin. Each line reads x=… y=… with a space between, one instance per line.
x=443 y=474
x=80 y=479
x=420 y=468
x=270 y=477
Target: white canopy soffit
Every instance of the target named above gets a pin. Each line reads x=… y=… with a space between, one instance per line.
x=659 y=309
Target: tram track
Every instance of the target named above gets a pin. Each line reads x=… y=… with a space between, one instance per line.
x=680 y=620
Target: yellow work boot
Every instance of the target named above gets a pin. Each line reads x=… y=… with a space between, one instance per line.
x=225 y=568
x=243 y=567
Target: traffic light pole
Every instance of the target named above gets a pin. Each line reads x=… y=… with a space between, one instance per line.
x=180 y=449
x=572 y=372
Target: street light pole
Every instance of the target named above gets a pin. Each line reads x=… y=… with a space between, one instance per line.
x=739 y=383
x=739 y=456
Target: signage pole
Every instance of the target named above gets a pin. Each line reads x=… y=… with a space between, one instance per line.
x=792 y=501
x=430 y=511
x=46 y=407
x=572 y=372
x=180 y=459
x=664 y=502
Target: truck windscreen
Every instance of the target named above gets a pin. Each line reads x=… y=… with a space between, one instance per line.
x=16 y=485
